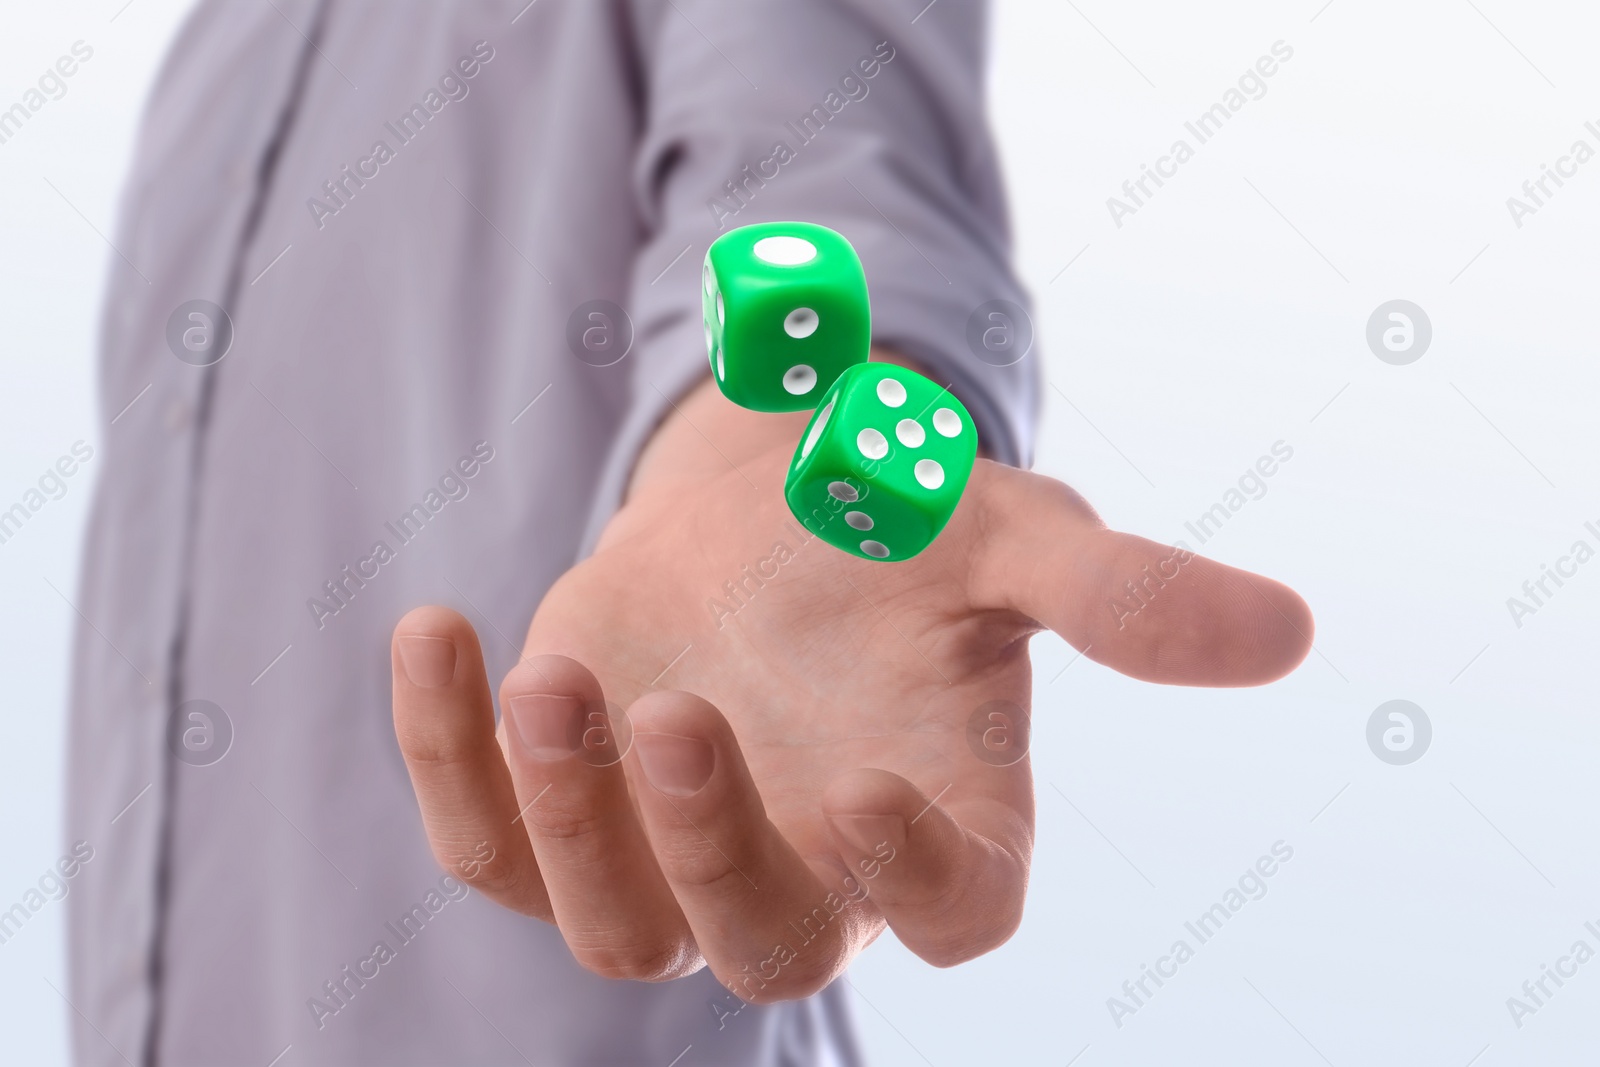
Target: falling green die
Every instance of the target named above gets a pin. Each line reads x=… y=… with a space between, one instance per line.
x=883 y=463
x=786 y=312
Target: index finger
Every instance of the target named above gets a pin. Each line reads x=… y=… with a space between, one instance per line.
x=444 y=721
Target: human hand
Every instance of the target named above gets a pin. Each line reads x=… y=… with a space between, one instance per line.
x=793 y=773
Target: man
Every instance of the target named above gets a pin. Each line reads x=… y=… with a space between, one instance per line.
x=350 y=350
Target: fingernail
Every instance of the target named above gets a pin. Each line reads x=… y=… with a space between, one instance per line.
x=547 y=727
x=429 y=661
x=868 y=832
x=677 y=766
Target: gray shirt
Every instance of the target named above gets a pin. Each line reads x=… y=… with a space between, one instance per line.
x=411 y=216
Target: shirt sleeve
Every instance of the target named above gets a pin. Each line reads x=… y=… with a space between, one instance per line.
x=866 y=116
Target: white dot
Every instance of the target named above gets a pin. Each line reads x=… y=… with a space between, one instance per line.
x=705 y=278
x=875 y=548
x=891 y=392
x=722 y=370
x=709 y=342
x=858 y=520
x=816 y=431
x=799 y=379
x=947 y=422
x=929 y=473
x=801 y=322
x=843 y=491
x=873 y=444
x=722 y=316
x=910 y=433
x=785 y=251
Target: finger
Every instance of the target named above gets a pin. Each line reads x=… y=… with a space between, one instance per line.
x=949 y=892
x=1148 y=610
x=610 y=899
x=770 y=928
x=444 y=721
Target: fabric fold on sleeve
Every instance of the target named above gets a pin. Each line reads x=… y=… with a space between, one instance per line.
x=843 y=113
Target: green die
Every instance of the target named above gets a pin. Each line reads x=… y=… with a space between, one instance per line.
x=883 y=463
x=786 y=312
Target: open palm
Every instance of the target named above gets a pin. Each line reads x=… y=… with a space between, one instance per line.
x=815 y=745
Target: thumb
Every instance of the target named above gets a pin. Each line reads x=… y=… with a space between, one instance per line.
x=1150 y=611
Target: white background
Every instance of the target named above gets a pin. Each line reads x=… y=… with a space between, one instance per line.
x=1227 y=314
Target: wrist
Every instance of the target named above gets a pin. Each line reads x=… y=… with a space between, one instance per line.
x=704 y=435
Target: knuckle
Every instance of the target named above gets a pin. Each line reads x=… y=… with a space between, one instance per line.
x=972 y=913
x=960 y=947
x=811 y=976
x=729 y=857
x=655 y=960
x=497 y=875
x=932 y=895
x=703 y=869
x=436 y=748
x=804 y=976
x=1002 y=927
x=555 y=819
x=965 y=931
